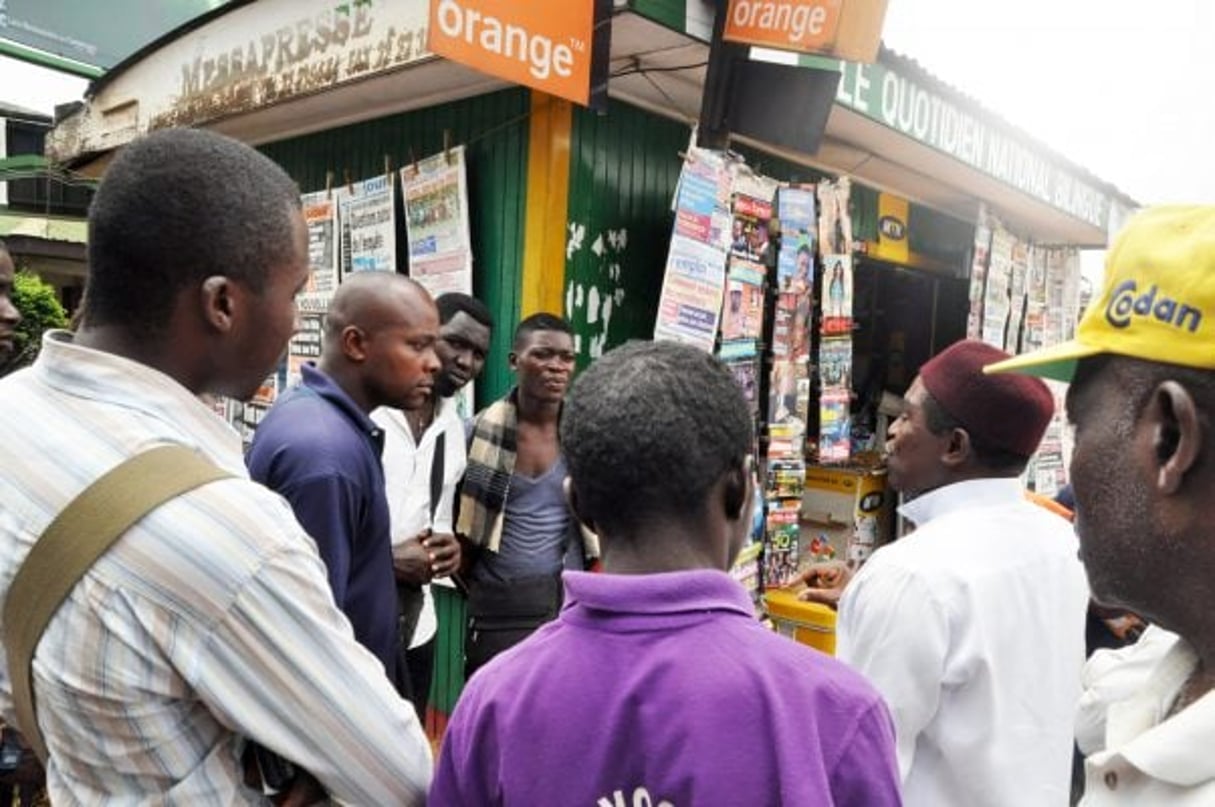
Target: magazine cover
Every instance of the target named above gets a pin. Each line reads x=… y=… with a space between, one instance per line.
x=837 y=294
x=835 y=427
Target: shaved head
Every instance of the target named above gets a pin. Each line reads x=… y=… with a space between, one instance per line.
x=372 y=301
x=379 y=341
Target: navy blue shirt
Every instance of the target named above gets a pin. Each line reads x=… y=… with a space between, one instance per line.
x=318 y=450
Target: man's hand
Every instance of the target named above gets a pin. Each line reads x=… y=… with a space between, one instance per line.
x=444 y=552
x=411 y=560
x=826 y=582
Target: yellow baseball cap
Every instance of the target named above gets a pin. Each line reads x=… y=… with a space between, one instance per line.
x=1158 y=302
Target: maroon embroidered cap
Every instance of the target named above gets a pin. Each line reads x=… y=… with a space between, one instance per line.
x=1007 y=411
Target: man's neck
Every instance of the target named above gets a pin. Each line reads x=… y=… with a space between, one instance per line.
x=150 y=352
x=537 y=412
x=347 y=378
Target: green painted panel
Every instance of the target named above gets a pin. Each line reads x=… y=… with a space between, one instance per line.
x=448 y=681
x=623 y=169
x=863 y=205
x=671 y=13
x=494 y=128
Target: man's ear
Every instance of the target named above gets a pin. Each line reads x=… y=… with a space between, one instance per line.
x=735 y=492
x=220 y=301
x=957 y=450
x=571 y=498
x=512 y=360
x=1177 y=436
x=354 y=343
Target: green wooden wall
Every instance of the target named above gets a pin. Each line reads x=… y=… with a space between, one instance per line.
x=623 y=169
x=494 y=128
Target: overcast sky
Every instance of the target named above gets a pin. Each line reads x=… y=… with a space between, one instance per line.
x=1121 y=87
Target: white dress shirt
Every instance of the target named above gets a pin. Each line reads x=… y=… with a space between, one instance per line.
x=972 y=628
x=407 y=468
x=1150 y=757
x=208 y=621
x=1115 y=674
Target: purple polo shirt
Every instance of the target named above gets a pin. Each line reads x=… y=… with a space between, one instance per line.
x=321 y=453
x=664 y=689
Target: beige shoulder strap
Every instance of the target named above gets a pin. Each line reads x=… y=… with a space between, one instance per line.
x=73 y=542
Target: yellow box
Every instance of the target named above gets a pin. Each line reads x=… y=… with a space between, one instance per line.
x=849 y=507
x=810 y=623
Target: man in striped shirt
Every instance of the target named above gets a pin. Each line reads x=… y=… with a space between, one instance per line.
x=210 y=621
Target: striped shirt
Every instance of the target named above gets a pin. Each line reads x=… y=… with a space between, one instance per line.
x=211 y=620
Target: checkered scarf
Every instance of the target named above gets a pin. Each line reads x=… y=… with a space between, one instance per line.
x=491 y=462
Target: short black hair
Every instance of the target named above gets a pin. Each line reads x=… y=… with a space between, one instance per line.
x=1000 y=460
x=648 y=429
x=540 y=322
x=454 y=302
x=174 y=208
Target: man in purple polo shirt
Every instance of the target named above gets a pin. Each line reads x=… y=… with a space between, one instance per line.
x=656 y=685
x=319 y=448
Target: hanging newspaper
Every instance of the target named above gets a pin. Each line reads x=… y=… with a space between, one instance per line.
x=321 y=217
x=703 y=197
x=834 y=220
x=996 y=303
x=305 y=345
x=978 y=274
x=435 y=191
x=690 y=303
x=1017 y=295
x=368 y=227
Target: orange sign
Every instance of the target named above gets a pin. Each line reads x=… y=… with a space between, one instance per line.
x=803 y=25
x=544 y=45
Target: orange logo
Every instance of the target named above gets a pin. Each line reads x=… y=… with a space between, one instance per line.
x=808 y=26
x=542 y=45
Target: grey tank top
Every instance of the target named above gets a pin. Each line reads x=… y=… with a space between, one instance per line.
x=535 y=530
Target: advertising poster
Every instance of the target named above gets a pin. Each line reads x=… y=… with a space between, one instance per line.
x=435 y=192
x=321 y=216
x=837 y=294
x=742 y=316
x=692 y=287
x=368 y=227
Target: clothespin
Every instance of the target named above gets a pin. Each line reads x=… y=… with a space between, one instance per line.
x=328 y=184
x=349 y=183
x=388 y=168
x=413 y=160
x=447 y=145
